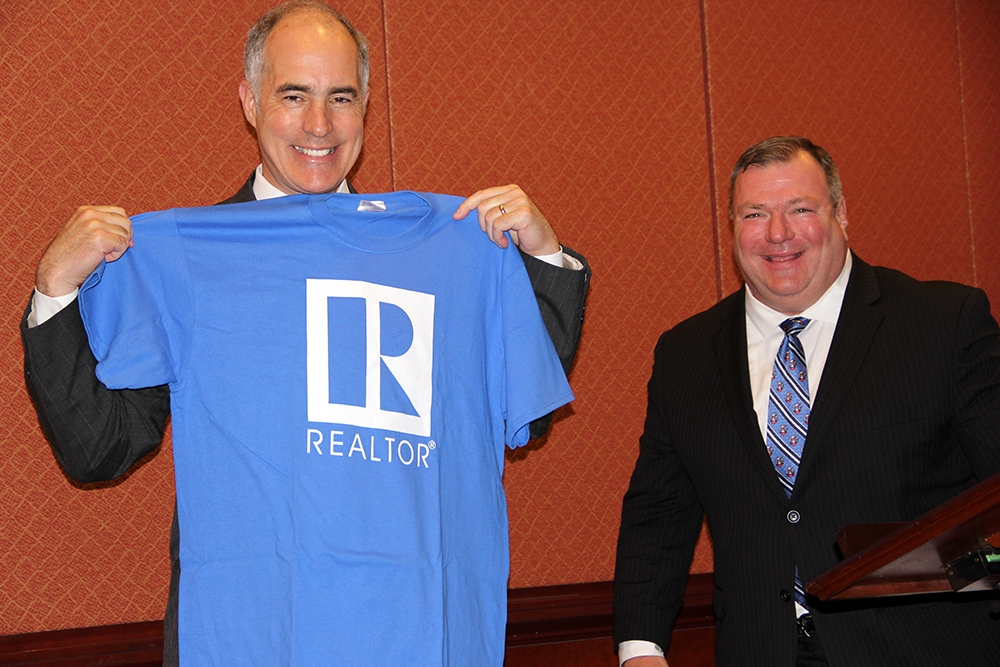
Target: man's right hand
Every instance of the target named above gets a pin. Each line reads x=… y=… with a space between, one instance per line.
x=94 y=233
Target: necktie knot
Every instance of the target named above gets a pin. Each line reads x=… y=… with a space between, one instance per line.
x=794 y=325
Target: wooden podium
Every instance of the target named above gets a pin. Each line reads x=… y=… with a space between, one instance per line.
x=955 y=547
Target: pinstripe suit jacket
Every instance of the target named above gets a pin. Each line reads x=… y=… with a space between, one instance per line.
x=98 y=434
x=906 y=416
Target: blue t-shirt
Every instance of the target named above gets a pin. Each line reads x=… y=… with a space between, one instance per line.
x=344 y=371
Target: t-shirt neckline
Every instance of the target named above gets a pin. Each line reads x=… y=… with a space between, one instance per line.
x=340 y=214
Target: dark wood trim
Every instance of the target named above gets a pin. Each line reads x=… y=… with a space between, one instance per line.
x=129 y=644
x=550 y=614
x=535 y=616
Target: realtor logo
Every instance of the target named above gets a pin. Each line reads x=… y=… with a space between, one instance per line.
x=369 y=355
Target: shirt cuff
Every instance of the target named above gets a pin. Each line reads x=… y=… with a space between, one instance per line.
x=44 y=308
x=561 y=259
x=636 y=648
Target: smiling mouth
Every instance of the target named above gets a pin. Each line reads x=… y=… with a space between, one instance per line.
x=315 y=152
x=782 y=258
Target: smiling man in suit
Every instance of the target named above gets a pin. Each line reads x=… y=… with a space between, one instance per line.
x=305 y=93
x=825 y=392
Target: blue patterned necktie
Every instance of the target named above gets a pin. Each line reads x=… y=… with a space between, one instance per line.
x=788 y=413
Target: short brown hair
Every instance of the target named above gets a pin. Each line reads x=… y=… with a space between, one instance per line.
x=784 y=149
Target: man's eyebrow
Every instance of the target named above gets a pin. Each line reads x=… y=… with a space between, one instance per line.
x=343 y=90
x=301 y=88
x=754 y=206
x=293 y=88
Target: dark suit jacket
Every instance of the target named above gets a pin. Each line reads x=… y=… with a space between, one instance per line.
x=906 y=416
x=98 y=434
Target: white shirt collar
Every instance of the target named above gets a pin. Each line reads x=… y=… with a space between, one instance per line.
x=827 y=309
x=264 y=189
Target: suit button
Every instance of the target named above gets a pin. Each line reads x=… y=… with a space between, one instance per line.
x=793 y=516
x=785 y=595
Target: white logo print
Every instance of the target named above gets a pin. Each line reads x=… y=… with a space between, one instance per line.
x=369 y=355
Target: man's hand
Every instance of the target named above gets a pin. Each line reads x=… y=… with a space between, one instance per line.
x=94 y=233
x=507 y=209
x=646 y=661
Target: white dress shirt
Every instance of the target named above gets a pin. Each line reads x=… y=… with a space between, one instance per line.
x=764 y=336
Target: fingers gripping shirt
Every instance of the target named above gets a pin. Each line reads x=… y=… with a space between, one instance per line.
x=344 y=373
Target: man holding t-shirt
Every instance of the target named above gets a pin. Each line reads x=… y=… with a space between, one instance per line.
x=305 y=94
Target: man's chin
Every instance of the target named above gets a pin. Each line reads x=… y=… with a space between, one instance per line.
x=322 y=187
x=313 y=179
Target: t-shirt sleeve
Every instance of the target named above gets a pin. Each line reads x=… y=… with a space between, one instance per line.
x=135 y=309
x=535 y=383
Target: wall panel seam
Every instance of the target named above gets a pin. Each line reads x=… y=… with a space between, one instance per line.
x=388 y=96
x=965 y=145
x=713 y=191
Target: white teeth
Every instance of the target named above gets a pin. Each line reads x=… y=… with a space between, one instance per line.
x=312 y=152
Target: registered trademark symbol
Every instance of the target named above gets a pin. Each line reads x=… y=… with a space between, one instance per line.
x=432 y=444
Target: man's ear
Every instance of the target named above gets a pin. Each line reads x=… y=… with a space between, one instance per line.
x=249 y=103
x=841 y=214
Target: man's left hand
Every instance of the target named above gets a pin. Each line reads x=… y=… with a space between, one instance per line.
x=507 y=209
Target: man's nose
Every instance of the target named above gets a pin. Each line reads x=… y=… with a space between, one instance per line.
x=778 y=230
x=317 y=120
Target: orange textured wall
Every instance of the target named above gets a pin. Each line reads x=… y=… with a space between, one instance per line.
x=621 y=119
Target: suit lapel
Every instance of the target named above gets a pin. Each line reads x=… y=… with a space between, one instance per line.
x=244 y=194
x=731 y=348
x=859 y=320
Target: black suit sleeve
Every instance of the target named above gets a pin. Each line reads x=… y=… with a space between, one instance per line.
x=96 y=434
x=661 y=520
x=977 y=383
x=561 y=295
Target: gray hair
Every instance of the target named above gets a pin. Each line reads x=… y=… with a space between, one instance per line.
x=784 y=149
x=253 y=52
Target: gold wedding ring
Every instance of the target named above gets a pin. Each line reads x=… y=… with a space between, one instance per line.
x=502 y=212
